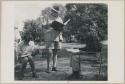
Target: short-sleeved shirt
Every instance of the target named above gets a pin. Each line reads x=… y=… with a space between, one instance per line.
x=51 y=37
x=24 y=50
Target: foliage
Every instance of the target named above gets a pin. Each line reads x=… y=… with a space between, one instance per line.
x=86 y=16
x=83 y=16
x=32 y=31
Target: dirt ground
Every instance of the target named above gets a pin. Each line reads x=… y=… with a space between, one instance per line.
x=89 y=68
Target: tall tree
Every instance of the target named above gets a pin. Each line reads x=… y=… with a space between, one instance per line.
x=32 y=30
x=92 y=16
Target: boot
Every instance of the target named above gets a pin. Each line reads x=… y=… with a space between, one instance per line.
x=54 y=69
x=34 y=74
x=21 y=75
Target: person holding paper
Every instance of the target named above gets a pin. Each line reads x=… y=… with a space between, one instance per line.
x=53 y=38
x=25 y=55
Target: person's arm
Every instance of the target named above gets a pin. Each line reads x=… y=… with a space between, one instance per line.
x=65 y=23
x=60 y=37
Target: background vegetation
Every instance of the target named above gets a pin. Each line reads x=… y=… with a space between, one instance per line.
x=83 y=16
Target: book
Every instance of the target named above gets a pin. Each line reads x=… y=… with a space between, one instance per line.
x=57 y=25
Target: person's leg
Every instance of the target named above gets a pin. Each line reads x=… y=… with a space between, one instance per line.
x=31 y=62
x=54 y=59
x=49 y=55
x=24 y=63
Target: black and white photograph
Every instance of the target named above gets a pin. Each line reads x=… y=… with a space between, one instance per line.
x=61 y=42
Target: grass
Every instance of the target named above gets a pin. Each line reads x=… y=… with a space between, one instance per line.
x=89 y=67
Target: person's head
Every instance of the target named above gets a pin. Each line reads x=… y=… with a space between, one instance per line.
x=25 y=39
x=55 y=10
x=26 y=42
x=56 y=7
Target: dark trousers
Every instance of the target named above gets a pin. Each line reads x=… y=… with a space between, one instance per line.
x=24 y=61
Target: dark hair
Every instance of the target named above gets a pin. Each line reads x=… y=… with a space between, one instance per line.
x=24 y=37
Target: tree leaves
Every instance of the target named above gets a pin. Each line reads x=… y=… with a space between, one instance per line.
x=91 y=16
x=83 y=16
x=33 y=30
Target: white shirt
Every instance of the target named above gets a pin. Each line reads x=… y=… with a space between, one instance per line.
x=50 y=36
x=24 y=50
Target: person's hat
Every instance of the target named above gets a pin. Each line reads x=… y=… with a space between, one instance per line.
x=55 y=8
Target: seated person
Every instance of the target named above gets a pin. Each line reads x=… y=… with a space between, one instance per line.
x=25 y=55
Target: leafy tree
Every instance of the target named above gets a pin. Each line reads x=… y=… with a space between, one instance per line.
x=32 y=31
x=91 y=16
x=83 y=16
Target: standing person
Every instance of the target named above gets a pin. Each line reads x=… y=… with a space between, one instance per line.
x=53 y=45
x=25 y=56
x=53 y=38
